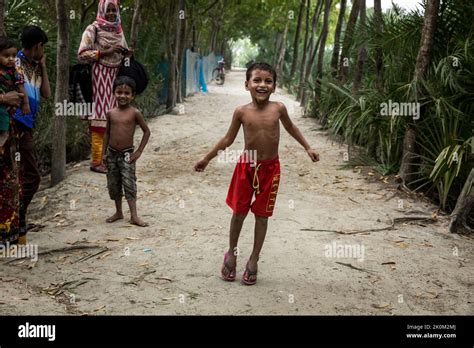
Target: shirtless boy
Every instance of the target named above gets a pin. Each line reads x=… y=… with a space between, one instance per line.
x=118 y=152
x=261 y=123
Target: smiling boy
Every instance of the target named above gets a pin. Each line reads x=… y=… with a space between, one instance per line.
x=118 y=151
x=261 y=123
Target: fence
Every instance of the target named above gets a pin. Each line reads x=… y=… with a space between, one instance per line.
x=198 y=71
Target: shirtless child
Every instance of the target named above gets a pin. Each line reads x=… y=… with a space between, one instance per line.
x=118 y=152
x=261 y=123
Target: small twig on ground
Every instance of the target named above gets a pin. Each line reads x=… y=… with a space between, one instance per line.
x=427 y=219
x=390 y=197
x=59 y=250
x=353 y=200
x=91 y=255
x=391 y=227
x=356 y=268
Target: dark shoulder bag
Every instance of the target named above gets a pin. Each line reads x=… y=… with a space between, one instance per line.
x=80 y=80
x=134 y=69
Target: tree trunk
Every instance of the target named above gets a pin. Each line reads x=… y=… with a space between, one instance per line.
x=346 y=45
x=312 y=50
x=322 y=46
x=305 y=50
x=137 y=16
x=337 y=38
x=58 y=160
x=464 y=207
x=277 y=48
x=407 y=168
x=362 y=55
x=216 y=26
x=378 y=19
x=281 y=53
x=181 y=50
x=172 y=50
x=2 y=18
x=408 y=156
x=85 y=9
x=297 y=40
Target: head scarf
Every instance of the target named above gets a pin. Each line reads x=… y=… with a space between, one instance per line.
x=105 y=24
x=101 y=35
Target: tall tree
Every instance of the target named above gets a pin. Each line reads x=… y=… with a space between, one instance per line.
x=322 y=46
x=312 y=50
x=297 y=39
x=378 y=19
x=347 y=43
x=464 y=206
x=172 y=47
x=407 y=167
x=2 y=18
x=137 y=17
x=362 y=54
x=281 y=53
x=181 y=48
x=58 y=160
x=337 y=37
x=85 y=7
x=305 y=48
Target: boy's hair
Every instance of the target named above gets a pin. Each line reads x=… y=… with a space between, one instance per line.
x=261 y=66
x=32 y=35
x=6 y=43
x=125 y=80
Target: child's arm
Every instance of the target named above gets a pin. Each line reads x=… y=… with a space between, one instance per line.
x=146 y=135
x=222 y=144
x=45 y=88
x=296 y=133
x=106 y=138
x=25 y=107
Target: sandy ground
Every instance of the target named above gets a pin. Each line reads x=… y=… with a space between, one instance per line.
x=172 y=267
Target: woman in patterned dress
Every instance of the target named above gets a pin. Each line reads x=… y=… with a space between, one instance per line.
x=10 y=192
x=104 y=46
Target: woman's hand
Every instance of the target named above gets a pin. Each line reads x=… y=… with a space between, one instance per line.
x=111 y=50
x=12 y=98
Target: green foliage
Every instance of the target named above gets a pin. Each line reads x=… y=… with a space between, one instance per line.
x=444 y=135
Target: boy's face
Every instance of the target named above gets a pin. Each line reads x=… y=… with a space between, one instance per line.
x=111 y=14
x=38 y=51
x=7 y=57
x=124 y=95
x=261 y=85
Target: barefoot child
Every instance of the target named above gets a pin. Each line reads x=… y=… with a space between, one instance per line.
x=10 y=80
x=118 y=152
x=261 y=123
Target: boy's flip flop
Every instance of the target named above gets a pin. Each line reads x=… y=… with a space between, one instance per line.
x=246 y=276
x=231 y=276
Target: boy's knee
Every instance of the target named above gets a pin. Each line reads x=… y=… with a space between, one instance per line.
x=239 y=217
x=262 y=219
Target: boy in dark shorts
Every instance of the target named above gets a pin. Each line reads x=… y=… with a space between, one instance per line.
x=261 y=123
x=118 y=152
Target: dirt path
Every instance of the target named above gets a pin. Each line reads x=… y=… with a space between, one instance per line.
x=173 y=266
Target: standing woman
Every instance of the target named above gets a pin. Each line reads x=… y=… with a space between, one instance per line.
x=104 y=46
x=10 y=188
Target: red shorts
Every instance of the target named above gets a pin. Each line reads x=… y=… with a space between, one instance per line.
x=263 y=179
